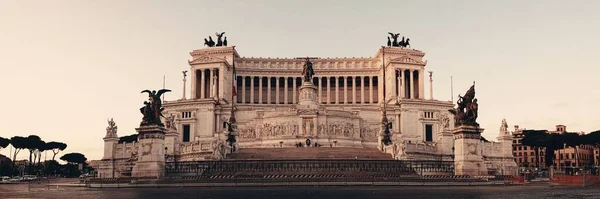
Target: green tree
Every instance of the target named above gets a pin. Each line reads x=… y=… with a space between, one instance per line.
x=56 y=147
x=74 y=158
x=573 y=140
x=32 y=144
x=19 y=143
x=535 y=139
x=592 y=138
x=4 y=142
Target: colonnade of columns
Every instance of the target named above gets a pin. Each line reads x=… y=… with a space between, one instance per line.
x=331 y=89
x=408 y=83
x=207 y=83
x=284 y=90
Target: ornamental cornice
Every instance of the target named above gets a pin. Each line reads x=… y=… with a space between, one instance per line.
x=400 y=51
x=408 y=60
x=192 y=105
x=301 y=61
x=214 y=50
x=288 y=73
x=205 y=59
x=421 y=103
x=318 y=64
x=207 y=101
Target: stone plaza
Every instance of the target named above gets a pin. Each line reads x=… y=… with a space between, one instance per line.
x=310 y=109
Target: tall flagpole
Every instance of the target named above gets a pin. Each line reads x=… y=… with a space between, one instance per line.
x=163 y=99
x=451 y=90
x=383 y=68
x=234 y=82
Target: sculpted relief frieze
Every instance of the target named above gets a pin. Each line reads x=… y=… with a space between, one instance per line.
x=369 y=133
x=338 y=129
x=206 y=59
x=268 y=130
x=307 y=94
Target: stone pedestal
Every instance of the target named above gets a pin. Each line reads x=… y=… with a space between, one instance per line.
x=171 y=142
x=308 y=96
x=308 y=106
x=151 y=152
x=468 y=158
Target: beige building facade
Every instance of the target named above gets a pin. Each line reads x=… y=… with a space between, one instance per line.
x=345 y=110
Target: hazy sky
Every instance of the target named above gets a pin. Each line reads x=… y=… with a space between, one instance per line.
x=67 y=66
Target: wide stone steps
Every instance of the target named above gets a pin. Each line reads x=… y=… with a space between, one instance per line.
x=307 y=153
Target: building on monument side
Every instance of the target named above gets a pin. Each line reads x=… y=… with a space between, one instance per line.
x=585 y=155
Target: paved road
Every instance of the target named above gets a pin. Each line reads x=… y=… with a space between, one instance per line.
x=530 y=191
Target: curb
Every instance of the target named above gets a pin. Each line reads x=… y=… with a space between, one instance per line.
x=279 y=184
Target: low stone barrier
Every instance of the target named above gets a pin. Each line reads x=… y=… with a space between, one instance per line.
x=576 y=180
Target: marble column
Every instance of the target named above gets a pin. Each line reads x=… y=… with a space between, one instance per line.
x=243 y=89
x=371 y=81
x=412 y=83
x=193 y=84
x=399 y=85
x=320 y=81
x=421 y=84
x=202 y=78
x=276 y=90
x=210 y=84
x=337 y=90
x=362 y=89
x=285 y=88
x=345 y=80
x=268 y=90
x=294 y=90
x=260 y=78
x=328 y=89
x=353 y=89
x=251 y=89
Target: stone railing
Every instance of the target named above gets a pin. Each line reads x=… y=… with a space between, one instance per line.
x=309 y=166
x=420 y=148
x=491 y=149
x=125 y=150
x=195 y=147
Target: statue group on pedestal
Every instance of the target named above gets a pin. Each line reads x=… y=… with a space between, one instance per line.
x=395 y=43
x=111 y=130
x=152 y=110
x=307 y=71
x=466 y=112
x=220 y=42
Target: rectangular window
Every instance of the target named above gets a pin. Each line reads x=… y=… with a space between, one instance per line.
x=428 y=115
x=186 y=133
x=428 y=133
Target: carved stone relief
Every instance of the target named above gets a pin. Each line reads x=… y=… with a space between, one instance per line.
x=268 y=130
x=340 y=129
x=369 y=134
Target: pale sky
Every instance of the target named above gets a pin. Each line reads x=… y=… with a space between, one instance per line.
x=67 y=66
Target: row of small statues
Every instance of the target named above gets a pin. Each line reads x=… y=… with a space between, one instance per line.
x=395 y=43
x=220 y=42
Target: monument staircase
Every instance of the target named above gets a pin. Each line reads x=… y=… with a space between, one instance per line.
x=310 y=164
x=309 y=153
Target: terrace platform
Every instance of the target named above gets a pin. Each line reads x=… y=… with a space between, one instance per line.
x=309 y=153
